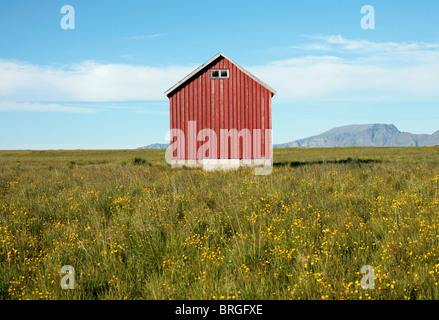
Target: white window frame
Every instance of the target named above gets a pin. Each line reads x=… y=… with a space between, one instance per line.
x=219 y=74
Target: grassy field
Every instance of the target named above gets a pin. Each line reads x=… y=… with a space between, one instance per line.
x=133 y=228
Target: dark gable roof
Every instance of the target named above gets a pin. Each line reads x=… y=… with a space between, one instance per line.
x=205 y=65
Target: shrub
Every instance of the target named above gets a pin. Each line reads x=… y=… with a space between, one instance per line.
x=139 y=161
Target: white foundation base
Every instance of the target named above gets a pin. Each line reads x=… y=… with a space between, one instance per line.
x=226 y=164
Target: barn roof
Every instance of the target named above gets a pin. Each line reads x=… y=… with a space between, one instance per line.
x=205 y=65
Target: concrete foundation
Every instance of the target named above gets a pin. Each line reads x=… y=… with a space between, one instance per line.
x=264 y=165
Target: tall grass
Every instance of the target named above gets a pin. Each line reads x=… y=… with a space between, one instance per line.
x=137 y=229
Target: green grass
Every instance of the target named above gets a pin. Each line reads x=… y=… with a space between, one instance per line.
x=133 y=228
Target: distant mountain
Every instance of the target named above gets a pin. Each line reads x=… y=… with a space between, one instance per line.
x=356 y=135
x=155 y=146
x=364 y=135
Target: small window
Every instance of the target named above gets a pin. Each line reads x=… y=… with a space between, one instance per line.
x=219 y=74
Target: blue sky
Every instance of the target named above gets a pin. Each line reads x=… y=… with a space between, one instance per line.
x=100 y=85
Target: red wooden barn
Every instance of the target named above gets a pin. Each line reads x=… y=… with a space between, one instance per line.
x=220 y=116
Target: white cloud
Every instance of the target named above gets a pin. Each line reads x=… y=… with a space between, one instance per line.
x=333 y=42
x=85 y=108
x=317 y=79
x=339 y=44
x=348 y=70
x=86 y=81
x=146 y=36
x=355 y=70
x=6 y=106
x=143 y=111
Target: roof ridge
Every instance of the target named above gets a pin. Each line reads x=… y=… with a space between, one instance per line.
x=208 y=62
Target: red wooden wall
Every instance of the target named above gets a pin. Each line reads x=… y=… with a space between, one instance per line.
x=234 y=103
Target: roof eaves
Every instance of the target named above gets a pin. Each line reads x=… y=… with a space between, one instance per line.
x=178 y=84
x=251 y=75
x=170 y=90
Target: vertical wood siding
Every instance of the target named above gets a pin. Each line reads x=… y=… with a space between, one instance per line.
x=238 y=102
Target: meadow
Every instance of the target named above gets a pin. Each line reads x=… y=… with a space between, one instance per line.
x=133 y=228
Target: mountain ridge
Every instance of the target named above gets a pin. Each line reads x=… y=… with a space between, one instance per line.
x=354 y=135
x=155 y=146
x=364 y=135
